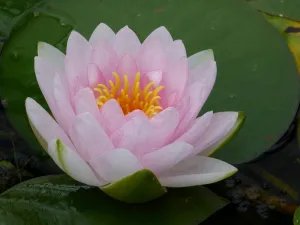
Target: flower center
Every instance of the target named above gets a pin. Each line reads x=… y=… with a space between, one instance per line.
x=131 y=98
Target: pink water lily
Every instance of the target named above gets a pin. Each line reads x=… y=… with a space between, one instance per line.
x=120 y=106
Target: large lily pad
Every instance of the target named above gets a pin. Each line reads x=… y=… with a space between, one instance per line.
x=256 y=71
x=62 y=201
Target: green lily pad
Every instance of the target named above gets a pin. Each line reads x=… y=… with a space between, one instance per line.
x=286 y=8
x=291 y=31
x=256 y=71
x=62 y=201
x=297 y=217
x=142 y=186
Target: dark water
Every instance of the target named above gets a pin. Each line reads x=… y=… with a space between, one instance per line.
x=265 y=191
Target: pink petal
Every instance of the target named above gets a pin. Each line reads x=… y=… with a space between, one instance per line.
x=164 y=125
x=53 y=56
x=112 y=115
x=176 y=77
x=45 y=74
x=151 y=57
x=88 y=136
x=135 y=113
x=196 y=74
x=45 y=126
x=116 y=164
x=127 y=66
x=200 y=57
x=95 y=76
x=161 y=34
x=105 y=58
x=201 y=124
x=102 y=32
x=175 y=51
x=154 y=76
x=65 y=110
x=197 y=170
x=72 y=164
x=219 y=127
x=167 y=157
x=198 y=93
x=127 y=43
x=134 y=135
x=85 y=102
x=77 y=59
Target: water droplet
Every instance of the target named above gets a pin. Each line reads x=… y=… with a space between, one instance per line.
x=212 y=28
x=15 y=55
x=232 y=95
x=281 y=15
x=138 y=14
x=35 y=14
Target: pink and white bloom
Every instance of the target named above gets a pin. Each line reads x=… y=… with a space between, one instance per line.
x=120 y=106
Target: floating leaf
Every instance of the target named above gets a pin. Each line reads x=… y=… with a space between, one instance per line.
x=291 y=30
x=62 y=201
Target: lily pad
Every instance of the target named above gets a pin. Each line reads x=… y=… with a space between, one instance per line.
x=256 y=71
x=286 y=8
x=62 y=201
x=290 y=29
x=297 y=217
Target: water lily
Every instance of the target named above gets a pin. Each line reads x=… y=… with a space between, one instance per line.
x=120 y=106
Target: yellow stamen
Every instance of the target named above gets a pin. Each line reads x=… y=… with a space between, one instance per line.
x=131 y=97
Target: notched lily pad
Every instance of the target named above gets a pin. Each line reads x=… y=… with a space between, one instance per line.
x=142 y=186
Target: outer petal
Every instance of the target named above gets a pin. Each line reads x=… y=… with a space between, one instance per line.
x=102 y=32
x=161 y=34
x=200 y=126
x=65 y=110
x=175 y=51
x=198 y=170
x=43 y=125
x=221 y=124
x=151 y=57
x=53 y=56
x=116 y=164
x=127 y=66
x=112 y=115
x=164 y=124
x=134 y=135
x=198 y=93
x=200 y=58
x=167 y=157
x=88 y=137
x=127 y=43
x=196 y=74
x=45 y=74
x=72 y=164
x=77 y=59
